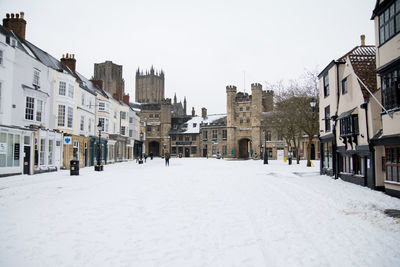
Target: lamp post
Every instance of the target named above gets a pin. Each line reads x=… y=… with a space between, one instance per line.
x=313 y=102
x=99 y=167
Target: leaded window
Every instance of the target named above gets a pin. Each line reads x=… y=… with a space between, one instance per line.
x=389 y=22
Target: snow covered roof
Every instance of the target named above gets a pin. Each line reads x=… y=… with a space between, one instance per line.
x=192 y=126
x=135 y=106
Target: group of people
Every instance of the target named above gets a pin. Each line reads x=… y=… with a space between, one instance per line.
x=167 y=156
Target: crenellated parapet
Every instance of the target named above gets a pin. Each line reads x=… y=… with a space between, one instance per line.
x=231 y=89
x=256 y=86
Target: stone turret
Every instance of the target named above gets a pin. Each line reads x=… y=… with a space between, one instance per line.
x=230 y=96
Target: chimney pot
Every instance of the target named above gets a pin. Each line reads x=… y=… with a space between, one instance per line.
x=362 y=40
x=22 y=14
x=8 y=15
x=12 y=15
x=17 y=16
x=66 y=55
x=204 y=113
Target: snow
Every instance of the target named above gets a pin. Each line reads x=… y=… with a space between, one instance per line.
x=197 y=212
x=197 y=120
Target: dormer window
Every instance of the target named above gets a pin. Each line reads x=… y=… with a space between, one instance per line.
x=194 y=125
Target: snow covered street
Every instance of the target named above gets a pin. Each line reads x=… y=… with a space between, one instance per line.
x=197 y=212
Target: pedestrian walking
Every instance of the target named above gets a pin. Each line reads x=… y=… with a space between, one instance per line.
x=151 y=155
x=145 y=157
x=167 y=156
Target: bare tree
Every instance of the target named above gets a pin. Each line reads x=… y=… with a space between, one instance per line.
x=293 y=113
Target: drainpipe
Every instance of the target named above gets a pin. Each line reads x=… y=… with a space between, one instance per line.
x=371 y=148
x=335 y=162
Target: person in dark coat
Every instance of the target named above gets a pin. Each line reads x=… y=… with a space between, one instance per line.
x=151 y=155
x=167 y=156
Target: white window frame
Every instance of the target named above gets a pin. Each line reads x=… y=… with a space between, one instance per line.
x=36 y=77
x=70 y=91
x=105 y=123
x=104 y=106
x=33 y=108
x=83 y=99
x=1 y=104
x=61 y=117
x=39 y=114
x=123 y=115
x=62 y=89
x=1 y=57
x=82 y=125
x=70 y=117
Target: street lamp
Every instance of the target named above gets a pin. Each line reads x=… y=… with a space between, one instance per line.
x=313 y=103
x=99 y=167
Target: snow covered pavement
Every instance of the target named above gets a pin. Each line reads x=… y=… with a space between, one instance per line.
x=197 y=212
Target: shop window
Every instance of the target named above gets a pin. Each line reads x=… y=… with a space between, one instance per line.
x=75 y=150
x=50 y=155
x=194 y=150
x=173 y=150
x=392 y=156
x=42 y=151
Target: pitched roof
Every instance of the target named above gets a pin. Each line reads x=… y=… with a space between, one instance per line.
x=363 y=61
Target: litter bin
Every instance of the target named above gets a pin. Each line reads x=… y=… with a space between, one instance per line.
x=74 y=167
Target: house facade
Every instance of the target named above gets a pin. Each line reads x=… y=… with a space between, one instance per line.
x=386 y=142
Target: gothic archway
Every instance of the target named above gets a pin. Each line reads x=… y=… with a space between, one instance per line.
x=154 y=147
x=244 y=148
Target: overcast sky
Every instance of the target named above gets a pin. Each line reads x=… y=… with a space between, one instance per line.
x=202 y=46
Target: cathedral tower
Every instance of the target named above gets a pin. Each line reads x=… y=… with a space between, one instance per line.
x=149 y=86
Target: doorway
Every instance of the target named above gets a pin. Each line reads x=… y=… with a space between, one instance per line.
x=154 y=147
x=187 y=152
x=244 y=147
x=86 y=155
x=279 y=154
x=205 y=151
x=27 y=159
x=312 y=152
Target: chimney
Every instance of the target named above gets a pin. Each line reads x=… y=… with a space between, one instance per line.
x=193 y=112
x=126 y=99
x=69 y=61
x=16 y=23
x=362 y=40
x=203 y=113
x=116 y=96
x=98 y=83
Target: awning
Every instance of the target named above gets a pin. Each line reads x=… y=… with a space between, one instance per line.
x=346 y=114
